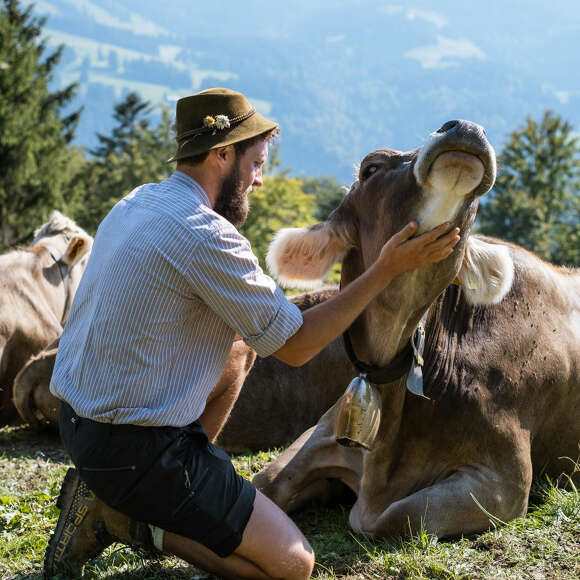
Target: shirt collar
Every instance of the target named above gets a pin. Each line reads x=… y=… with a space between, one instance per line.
x=193 y=185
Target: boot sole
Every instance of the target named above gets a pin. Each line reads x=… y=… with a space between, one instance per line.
x=70 y=515
x=69 y=486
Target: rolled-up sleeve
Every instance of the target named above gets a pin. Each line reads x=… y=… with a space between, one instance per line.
x=226 y=275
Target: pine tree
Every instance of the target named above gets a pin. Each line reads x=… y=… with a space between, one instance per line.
x=134 y=153
x=35 y=156
x=536 y=199
x=131 y=117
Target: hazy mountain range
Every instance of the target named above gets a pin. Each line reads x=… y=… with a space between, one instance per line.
x=342 y=77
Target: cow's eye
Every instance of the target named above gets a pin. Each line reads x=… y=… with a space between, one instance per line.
x=369 y=170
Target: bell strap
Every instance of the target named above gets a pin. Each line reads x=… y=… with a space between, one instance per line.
x=398 y=367
x=409 y=361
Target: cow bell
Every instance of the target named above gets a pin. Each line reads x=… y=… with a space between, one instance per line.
x=359 y=414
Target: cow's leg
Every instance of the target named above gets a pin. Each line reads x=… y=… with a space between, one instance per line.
x=303 y=471
x=224 y=395
x=32 y=397
x=450 y=506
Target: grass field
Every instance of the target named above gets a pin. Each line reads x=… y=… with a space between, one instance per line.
x=544 y=544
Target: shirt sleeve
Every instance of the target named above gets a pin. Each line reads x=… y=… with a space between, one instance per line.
x=226 y=275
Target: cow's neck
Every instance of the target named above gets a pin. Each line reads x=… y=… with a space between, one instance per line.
x=389 y=321
x=386 y=325
x=383 y=457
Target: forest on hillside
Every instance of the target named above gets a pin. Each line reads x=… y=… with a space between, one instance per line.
x=535 y=202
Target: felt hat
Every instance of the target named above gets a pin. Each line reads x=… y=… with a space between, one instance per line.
x=215 y=118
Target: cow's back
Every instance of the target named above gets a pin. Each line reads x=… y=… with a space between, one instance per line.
x=279 y=402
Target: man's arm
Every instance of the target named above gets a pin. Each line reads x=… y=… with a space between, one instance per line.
x=324 y=322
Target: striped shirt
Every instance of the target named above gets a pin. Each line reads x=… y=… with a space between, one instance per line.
x=168 y=285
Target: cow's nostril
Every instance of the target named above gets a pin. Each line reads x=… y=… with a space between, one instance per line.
x=447 y=126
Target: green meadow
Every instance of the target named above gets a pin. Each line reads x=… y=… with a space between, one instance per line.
x=543 y=545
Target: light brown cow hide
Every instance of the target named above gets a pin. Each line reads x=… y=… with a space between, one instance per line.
x=34 y=297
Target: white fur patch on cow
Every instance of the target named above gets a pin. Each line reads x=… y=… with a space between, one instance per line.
x=487 y=272
x=452 y=175
x=436 y=211
x=302 y=257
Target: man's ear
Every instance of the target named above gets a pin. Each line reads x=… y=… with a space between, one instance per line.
x=487 y=271
x=222 y=156
x=225 y=153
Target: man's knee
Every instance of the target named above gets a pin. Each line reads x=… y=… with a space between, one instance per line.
x=274 y=543
x=302 y=563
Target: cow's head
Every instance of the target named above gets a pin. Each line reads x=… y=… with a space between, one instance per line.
x=69 y=245
x=438 y=182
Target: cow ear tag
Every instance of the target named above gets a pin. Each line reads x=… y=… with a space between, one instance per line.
x=414 y=381
x=359 y=414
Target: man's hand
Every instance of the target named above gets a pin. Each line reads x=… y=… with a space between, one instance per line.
x=327 y=320
x=402 y=252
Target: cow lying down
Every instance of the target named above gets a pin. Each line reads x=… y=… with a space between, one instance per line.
x=501 y=368
x=37 y=285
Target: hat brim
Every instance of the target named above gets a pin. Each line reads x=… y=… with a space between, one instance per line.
x=198 y=144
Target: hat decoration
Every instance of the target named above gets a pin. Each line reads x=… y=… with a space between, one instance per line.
x=211 y=124
x=220 y=122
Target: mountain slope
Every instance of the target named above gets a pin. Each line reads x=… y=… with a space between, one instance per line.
x=341 y=77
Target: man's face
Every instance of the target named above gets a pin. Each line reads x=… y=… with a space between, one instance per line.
x=244 y=175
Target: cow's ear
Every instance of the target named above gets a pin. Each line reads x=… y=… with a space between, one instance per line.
x=302 y=257
x=487 y=271
x=78 y=247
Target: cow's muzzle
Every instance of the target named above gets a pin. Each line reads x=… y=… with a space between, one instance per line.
x=461 y=137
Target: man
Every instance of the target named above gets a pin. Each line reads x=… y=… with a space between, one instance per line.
x=169 y=284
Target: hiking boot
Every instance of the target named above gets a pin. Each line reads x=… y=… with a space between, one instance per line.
x=86 y=527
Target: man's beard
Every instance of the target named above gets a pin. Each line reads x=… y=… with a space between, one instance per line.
x=232 y=201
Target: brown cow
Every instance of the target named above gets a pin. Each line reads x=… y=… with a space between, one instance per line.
x=37 y=284
x=502 y=354
x=32 y=398
x=287 y=400
x=279 y=402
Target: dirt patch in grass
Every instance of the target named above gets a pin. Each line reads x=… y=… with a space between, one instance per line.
x=22 y=442
x=29 y=460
